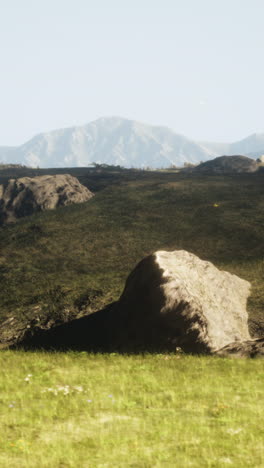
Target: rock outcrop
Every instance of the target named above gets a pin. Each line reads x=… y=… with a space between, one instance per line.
x=227 y=165
x=170 y=300
x=25 y=196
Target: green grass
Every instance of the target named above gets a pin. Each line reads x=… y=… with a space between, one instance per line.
x=63 y=410
x=130 y=411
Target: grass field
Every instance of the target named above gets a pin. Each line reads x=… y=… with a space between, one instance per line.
x=80 y=410
x=77 y=410
x=56 y=258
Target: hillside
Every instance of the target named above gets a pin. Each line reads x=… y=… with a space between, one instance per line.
x=252 y=145
x=80 y=255
x=118 y=141
x=227 y=165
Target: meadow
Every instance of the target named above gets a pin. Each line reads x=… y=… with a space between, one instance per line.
x=82 y=410
x=74 y=409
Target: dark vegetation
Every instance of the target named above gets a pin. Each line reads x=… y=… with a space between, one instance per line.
x=227 y=164
x=75 y=260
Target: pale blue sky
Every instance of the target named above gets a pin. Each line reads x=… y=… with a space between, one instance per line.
x=193 y=65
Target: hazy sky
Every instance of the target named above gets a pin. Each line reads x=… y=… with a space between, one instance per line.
x=193 y=65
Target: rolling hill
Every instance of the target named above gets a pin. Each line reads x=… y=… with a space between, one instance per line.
x=227 y=165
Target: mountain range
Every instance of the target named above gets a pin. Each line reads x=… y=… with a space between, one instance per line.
x=118 y=141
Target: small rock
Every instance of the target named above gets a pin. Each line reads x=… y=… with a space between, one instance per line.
x=243 y=349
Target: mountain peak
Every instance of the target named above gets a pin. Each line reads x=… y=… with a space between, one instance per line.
x=121 y=141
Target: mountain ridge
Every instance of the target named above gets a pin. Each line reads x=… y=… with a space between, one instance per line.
x=124 y=142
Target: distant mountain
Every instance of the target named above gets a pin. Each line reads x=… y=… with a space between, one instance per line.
x=251 y=146
x=107 y=141
x=216 y=148
x=117 y=141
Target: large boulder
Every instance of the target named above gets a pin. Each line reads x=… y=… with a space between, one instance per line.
x=175 y=299
x=170 y=300
x=24 y=196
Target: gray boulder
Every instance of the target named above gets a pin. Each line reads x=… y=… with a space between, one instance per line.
x=175 y=299
x=25 y=196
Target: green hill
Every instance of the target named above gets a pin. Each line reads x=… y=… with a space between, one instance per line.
x=81 y=255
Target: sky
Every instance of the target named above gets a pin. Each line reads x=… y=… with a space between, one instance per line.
x=195 y=66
